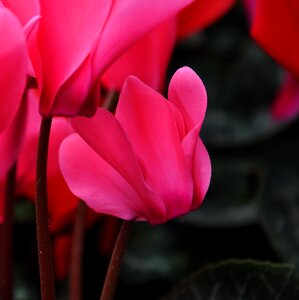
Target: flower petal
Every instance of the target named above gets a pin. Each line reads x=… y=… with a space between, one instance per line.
x=13 y=62
x=276 y=29
x=151 y=126
x=188 y=94
x=93 y=180
x=67 y=33
x=201 y=173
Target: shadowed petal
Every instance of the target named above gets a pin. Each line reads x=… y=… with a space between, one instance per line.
x=13 y=62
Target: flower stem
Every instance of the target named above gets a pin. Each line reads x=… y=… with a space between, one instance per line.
x=45 y=256
x=75 y=280
x=116 y=260
x=7 y=237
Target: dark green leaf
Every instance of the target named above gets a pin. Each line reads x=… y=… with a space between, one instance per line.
x=243 y=280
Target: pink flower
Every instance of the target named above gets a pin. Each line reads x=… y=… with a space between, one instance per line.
x=148 y=59
x=147 y=162
x=77 y=40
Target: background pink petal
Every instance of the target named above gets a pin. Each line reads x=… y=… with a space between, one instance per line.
x=188 y=94
x=276 y=29
x=13 y=62
x=150 y=125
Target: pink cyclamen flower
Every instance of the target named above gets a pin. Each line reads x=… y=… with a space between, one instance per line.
x=77 y=40
x=146 y=162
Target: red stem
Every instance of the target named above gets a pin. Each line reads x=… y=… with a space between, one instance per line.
x=75 y=279
x=116 y=260
x=7 y=237
x=45 y=256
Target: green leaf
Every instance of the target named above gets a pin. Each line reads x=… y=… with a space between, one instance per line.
x=242 y=280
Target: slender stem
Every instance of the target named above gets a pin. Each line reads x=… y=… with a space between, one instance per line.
x=116 y=260
x=45 y=256
x=7 y=239
x=75 y=279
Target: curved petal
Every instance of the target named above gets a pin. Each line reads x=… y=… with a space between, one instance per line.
x=67 y=33
x=188 y=94
x=147 y=59
x=276 y=29
x=201 y=13
x=93 y=180
x=150 y=124
x=13 y=62
x=129 y=21
x=202 y=171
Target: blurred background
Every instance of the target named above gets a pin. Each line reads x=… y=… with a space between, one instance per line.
x=251 y=210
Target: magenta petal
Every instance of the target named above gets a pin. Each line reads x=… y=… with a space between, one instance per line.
x=97 y=183
x=13 y=62
x=67 y=33
x=130 y=20
x=151 y=126
x=188 y=94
